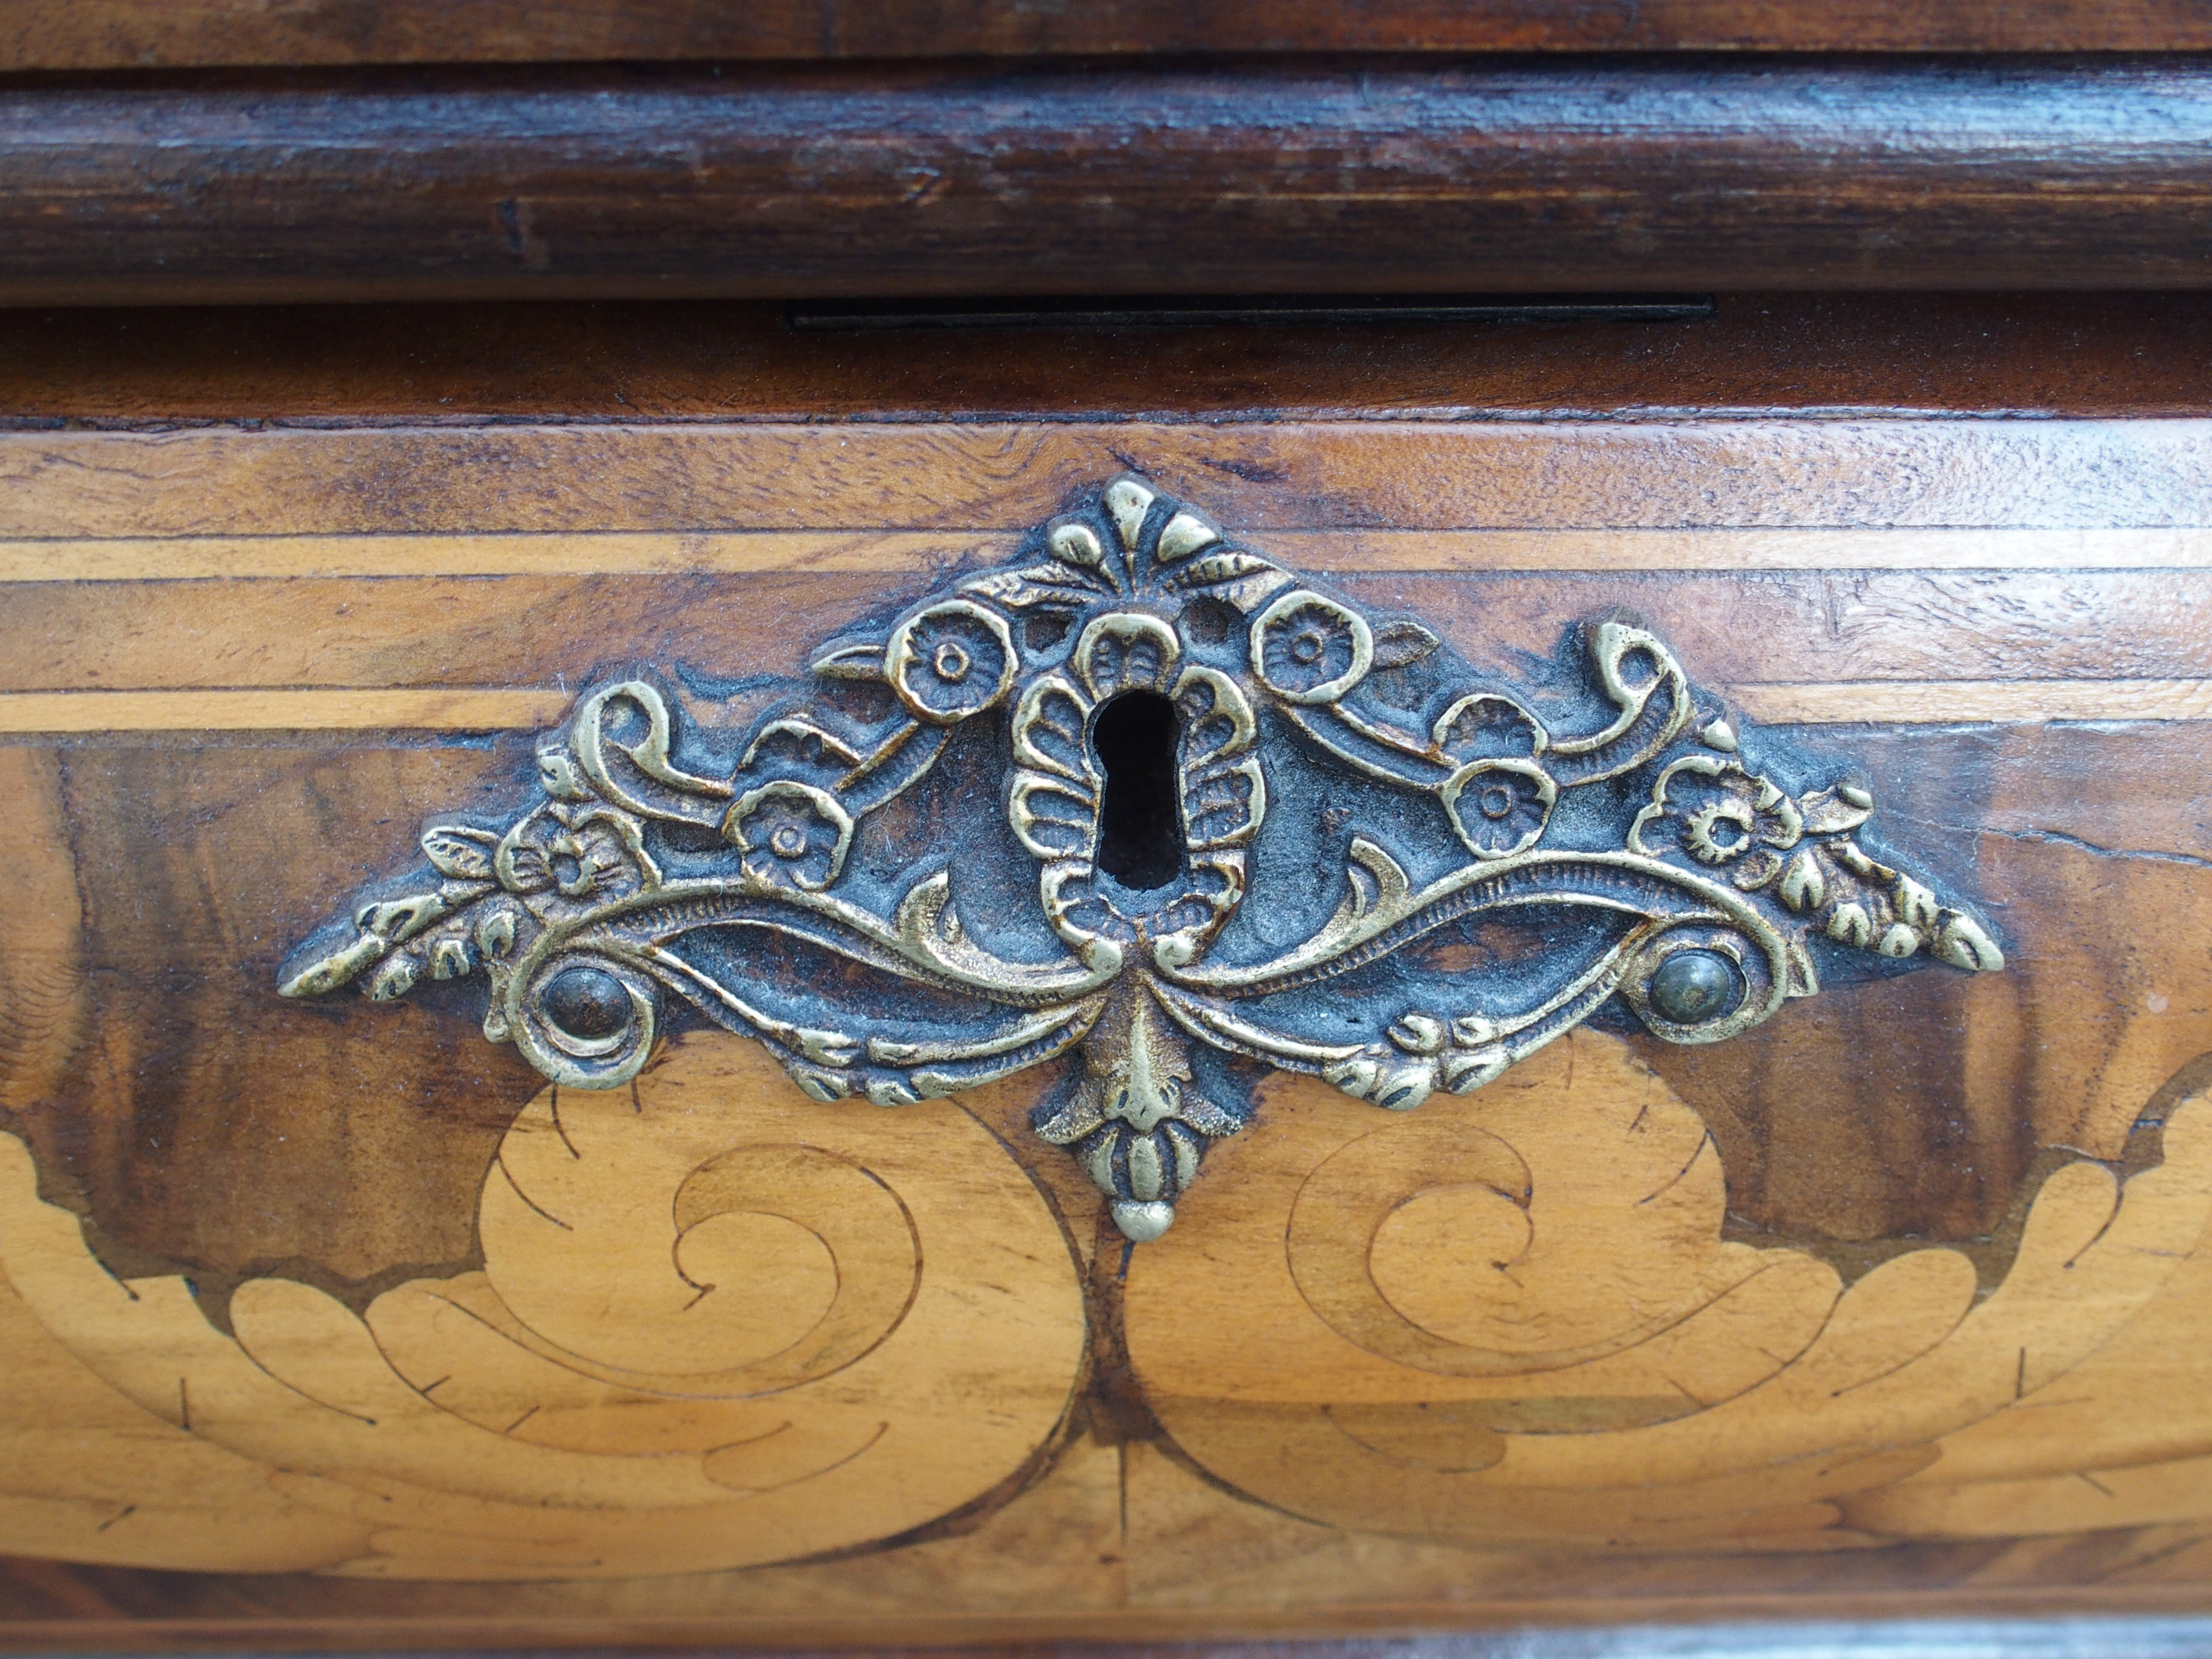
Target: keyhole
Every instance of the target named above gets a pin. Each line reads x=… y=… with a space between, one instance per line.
x=1141 y=824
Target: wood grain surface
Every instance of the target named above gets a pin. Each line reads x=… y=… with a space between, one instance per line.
x=332 y=1325
x=955 y=481
x=1268 y=176
x=40 y=35
x=2113 y=355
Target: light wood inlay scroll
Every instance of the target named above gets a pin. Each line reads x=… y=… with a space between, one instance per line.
x=713 y=1326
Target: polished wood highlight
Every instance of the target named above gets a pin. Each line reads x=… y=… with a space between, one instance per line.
x=1271 y=175
x=1948 y=702
x=468 y=708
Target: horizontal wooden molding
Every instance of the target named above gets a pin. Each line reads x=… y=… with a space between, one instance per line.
x=1824 y=356
x=331 y=709
x=1966 y=703
x=483 y=708
x=948 y=479
x=96 y=35
x=1277 y=176
x=615 y=553
x=2160 y=1620
x=198 y=558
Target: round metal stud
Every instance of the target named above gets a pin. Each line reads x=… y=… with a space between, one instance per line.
x=587 y=1002
x=1693 y=986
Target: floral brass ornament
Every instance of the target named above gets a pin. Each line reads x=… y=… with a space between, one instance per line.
x=1344 y=815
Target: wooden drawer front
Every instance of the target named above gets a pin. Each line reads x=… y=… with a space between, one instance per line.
x=325 y=1317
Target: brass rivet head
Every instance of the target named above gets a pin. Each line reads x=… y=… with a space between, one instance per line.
x=1693 y=986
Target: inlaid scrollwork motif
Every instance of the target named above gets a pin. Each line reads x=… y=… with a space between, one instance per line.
x=1263 y=829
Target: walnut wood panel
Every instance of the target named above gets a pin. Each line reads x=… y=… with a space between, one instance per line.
x=1864 y=628
x=37 y=35
x=977 y=480
x=2109 y=354
x=1275 y=175
x=763 y=552
x=1967 y=1374
x=218 y=1182
x=187 y=931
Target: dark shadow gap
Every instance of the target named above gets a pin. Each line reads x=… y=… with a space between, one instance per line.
x=1181 y=311
x=1141 y=820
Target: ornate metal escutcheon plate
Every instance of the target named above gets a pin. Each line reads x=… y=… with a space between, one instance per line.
x=1147 y=796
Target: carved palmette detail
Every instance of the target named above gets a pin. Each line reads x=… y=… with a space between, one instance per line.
x=1351 y=807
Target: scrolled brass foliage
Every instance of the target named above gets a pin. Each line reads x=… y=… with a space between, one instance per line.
x=1349 y=800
